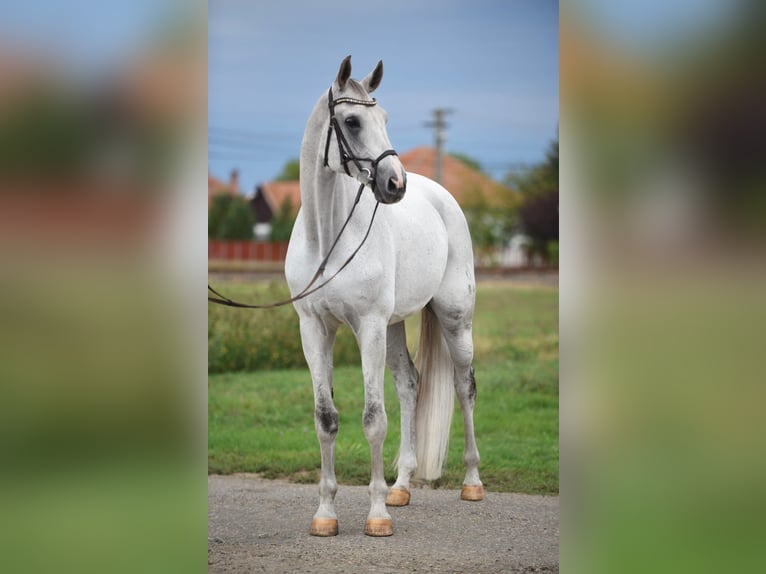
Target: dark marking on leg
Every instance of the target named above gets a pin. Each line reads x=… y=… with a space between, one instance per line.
x=413 y=381
x=472 y=386
x=327 y=417
x=370 y=414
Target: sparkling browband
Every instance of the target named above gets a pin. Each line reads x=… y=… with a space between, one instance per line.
x=371 y=102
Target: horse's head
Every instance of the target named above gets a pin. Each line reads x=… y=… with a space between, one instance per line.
x=357 y=141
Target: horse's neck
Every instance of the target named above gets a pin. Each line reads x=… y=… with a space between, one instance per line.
x=327 y=200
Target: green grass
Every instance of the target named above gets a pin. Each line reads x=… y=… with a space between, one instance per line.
x=262 y=420
x=249 y=340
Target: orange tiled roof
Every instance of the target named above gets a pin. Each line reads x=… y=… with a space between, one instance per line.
x=462 y=181
x=276 y=192
x=216 y=186
x=213 y=183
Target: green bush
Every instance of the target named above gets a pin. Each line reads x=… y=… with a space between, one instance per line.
x=230 y=217
x=283 y=222
x=255 y=339
x=237 y=223
x=217 y=212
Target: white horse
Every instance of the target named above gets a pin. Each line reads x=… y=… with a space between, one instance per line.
x=418 y=256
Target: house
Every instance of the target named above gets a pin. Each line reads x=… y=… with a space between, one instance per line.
x=462 y=181
x=470 y=187
x=465 y=183
x=216 y=187
x=267 y=200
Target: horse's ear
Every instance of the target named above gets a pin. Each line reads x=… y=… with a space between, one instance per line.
x=344 y=73
x=373 y=79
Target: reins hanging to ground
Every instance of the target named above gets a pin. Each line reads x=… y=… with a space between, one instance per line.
x=307 y=290
x=345 y=156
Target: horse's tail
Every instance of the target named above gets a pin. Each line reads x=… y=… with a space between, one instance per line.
x=436 y=398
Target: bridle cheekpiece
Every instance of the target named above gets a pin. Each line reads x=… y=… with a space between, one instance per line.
x=346 y=155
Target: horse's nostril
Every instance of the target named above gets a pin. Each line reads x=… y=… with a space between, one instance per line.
x=393 y=184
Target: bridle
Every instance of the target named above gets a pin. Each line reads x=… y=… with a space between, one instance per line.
x=345 y=157
x=343 y=147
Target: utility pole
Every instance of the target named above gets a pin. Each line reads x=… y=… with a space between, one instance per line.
x=439 y=126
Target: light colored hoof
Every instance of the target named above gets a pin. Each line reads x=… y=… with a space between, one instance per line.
x=398 y=497
x=379 y=527
x=472 y=492
x=324 y=527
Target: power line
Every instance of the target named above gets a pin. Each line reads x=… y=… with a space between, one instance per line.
x=241 y=145
x=251 y=134
x=241 y=157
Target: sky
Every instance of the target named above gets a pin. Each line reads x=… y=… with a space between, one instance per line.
x=85 y=36
x=493 y=63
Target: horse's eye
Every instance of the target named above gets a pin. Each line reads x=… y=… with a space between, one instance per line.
x=352 y=122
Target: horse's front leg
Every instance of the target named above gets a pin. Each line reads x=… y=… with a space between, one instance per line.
x=371 y=336
x=318 y=339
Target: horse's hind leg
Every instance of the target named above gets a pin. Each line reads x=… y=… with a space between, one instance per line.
x=318 y=340
x=455 y=322
x=406 y=380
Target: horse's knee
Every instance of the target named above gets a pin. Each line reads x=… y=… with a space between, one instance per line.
x=461 y=351
x=326 y=417
x=374 y=420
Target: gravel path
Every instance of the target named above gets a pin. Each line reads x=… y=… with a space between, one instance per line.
x=257 y=525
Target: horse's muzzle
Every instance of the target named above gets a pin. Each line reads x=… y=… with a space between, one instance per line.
x=391 y=185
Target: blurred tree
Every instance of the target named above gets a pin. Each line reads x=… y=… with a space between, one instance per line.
x=46 y=134
x=539 y=211
x=291 y=171
x=469 y=161
x=218 y=209
x=551 y=164
x=491 y=224
x=230 y=217
x=283 y=221
x=539 y=216
x=542 y=178
x=52 y=135
x=237 y=221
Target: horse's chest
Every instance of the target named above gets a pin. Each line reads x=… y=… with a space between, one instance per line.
x=359 y=290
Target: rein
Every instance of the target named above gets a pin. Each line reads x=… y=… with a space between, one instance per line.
x=307 y=290
x=345 y=156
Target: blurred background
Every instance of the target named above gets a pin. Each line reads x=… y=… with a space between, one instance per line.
x=102 y=396
x=662 y=277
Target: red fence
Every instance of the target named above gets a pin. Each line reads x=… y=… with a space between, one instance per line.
x=246 y=250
